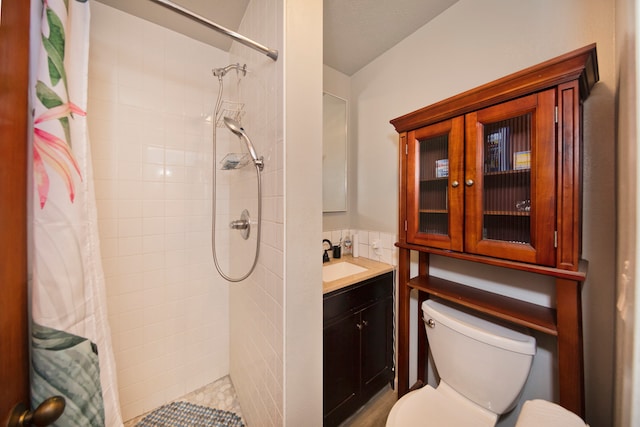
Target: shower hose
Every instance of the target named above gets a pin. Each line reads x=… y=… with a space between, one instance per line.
x=213 y=199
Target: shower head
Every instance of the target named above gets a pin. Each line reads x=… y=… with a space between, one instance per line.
x=236 y=128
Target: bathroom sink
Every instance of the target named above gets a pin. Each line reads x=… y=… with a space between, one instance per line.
x=340 y=270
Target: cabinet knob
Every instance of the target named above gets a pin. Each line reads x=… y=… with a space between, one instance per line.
x=359 y=326
x=454 y=184
x=469 y=182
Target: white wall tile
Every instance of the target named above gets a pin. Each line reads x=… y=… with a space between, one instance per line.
x=146 y=113
x=256 y=308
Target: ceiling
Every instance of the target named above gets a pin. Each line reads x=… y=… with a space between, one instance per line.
x=358 y=31
x=355 y=31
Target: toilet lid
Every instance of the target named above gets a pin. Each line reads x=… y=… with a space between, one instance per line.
x=429 y=407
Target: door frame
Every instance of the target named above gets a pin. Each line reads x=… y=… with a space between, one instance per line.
x=14 y=116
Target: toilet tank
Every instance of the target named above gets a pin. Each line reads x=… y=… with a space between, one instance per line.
x=486 y=362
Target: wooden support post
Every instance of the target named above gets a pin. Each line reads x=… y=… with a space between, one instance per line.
x=403 y=321
x=570 y=353
x=422 y=341
x=423 y=270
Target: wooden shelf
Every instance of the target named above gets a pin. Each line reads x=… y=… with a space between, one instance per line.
x=443 y=180
x=507 y=172
x=434 y=211
x=578 y=276
x=533 y=316
x=507 y=213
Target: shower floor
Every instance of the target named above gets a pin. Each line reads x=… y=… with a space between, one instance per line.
x=220 y=394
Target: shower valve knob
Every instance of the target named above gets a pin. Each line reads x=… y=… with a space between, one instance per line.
x=243 y=224
x=239 y=224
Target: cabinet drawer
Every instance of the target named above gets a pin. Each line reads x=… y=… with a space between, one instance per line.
x=355 y=297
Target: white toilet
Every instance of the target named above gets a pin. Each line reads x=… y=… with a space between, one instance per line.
x=538 y=412
x=483 y=367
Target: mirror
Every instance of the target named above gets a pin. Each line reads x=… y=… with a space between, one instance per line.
x=334 y=153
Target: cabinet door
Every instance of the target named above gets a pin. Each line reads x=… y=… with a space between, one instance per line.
x=434 y=185
x=510 y=188
x=376 y=342
x=341 y=368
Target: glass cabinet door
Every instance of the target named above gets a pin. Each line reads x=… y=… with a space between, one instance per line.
x=435 y=194
x=510 y=182
x=507 y=180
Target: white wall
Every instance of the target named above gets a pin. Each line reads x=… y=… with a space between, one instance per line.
x=473 y=43
x=303 y=212
x=150 y=93
x=627 y=391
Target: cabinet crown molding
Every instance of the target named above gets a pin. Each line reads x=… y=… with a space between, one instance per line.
x=580 y=64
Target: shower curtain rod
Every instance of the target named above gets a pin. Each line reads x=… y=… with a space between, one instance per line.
x=271 y=53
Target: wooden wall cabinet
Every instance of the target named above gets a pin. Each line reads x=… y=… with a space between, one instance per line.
x=493 y=175
x=470 y=186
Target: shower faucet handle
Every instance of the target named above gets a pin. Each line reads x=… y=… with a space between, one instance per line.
x=243 y=224
x=239 y=224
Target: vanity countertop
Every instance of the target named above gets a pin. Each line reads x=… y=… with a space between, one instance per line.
x=374 y=268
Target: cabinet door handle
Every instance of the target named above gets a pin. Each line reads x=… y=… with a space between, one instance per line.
x=455 y=184
x=469 y=182
x=362 y=325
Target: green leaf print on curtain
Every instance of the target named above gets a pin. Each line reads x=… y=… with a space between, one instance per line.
x=67 y=365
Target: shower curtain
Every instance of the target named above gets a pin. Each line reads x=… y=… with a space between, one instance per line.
x=71 y=348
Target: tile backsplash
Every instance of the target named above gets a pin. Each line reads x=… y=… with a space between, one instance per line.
x=374 y=245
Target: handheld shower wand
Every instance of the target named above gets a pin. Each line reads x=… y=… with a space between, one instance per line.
x=237 y=129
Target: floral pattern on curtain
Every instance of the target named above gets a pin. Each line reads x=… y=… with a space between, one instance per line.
x=71 y=344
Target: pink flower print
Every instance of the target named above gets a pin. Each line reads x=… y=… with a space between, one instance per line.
x=54 y=152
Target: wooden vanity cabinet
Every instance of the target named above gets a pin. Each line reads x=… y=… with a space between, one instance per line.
x=358 y=346
x=494 y=175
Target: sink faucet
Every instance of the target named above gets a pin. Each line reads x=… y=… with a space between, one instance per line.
x=325 y=256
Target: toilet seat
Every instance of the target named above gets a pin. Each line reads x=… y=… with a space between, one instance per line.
x=441 y=407
x=542 y=413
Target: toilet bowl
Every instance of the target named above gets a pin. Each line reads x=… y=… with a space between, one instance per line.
x=482 y=366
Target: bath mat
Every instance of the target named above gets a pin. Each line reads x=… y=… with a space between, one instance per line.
x=185 y=414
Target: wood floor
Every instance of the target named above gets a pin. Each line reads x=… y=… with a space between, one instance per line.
x=374 y=413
